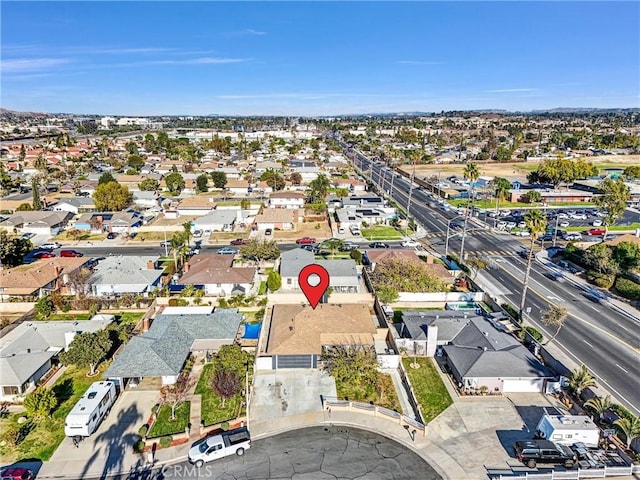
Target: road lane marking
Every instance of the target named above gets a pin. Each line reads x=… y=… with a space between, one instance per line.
x=600 y=329
x=587 y=343
x=623 y=369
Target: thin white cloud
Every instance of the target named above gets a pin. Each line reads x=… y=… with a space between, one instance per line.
x=306 y=96
x=20 y=65
x=418 y=62
x=251 y=31
x=512 y=90
x=200 y=61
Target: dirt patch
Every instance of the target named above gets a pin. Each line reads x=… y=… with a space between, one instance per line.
x=306 y=230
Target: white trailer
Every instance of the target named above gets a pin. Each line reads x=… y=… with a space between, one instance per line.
x=93 y=406
x=568 y=429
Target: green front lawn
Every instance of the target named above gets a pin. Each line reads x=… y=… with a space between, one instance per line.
x=212 y=411
x=45 y=436
x=85 y=236
x=615 y=228
x=129 y=317
x=165 y=426
x=431 y=393
x=67 y=317
x=382 y=394
x=381 y=232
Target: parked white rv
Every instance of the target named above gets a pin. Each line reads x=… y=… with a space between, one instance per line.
x=93 y=406
x=568 y=429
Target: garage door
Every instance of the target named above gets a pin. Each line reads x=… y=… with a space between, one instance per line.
x=522 y=385
x=295 y=361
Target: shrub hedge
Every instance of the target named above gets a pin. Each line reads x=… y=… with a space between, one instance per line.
x=628 y=288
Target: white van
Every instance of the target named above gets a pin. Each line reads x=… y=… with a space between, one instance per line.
x=355 y=230
x=93 y=406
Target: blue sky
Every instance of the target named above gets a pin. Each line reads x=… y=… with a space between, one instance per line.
x=324 y=58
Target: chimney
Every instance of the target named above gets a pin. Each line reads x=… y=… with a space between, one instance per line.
x=429 y=259
x=57 y=270
x=151 y=265
x=186 y=267
x=145 y=324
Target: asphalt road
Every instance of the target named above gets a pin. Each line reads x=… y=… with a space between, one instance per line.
x=318 y=453
x=605 y=340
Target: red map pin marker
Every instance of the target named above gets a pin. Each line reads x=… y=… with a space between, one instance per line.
x=313 y=292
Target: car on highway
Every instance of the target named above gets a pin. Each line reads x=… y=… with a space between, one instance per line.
x=410 y=243
x=596 y=223
x=348 y=247
x=227 y=251
x=595 y=231
x=564 y=224
x=524 y=253
x=572 y=237
x=268 y=231
x=555 y=276
x=378 y=245
x=50 y=245
x=305 y=240
x=238 y=241
x=562 y=215
x=111 y=235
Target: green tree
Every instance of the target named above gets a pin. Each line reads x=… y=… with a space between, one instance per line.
x=532 y=196
x=630 y=428
x=245 y=204
x=353 y=365
x=260 y=251
x=231 y=358
x=87 y=349
x=503 y=154
x=387 y=294
x=112 y=197
x=502 y=187
x=40 y=163
x=202 y=183
x=599 y=257
x=536 y=223
x=40 y=403
x=581 y=379
x=13 y=249
x=554 y=316
x=472 y=173
x=35 y=190
x=632 y=172
x=627 y=255
x=186 y=227
x=342 y=192
x=273 y=179
x=6 y=182
x=175 y=182
x=476 y=264
x=44 y=307
x=319 y=188
x=599 y=405
x=149 y=185
x=296 y=178
x=219 y=179
x=332 y=245
x=135 y=161
x=24 y=207
x=405 y=275
x=357 y=256
x=613 y=199
x=176 y=394
x=106 y=177
x=274 y=281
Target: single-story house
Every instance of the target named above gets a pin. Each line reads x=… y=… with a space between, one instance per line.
x=280 y=218
x=367 y=200
x=75 y=205
x=217 y=221
x=479 y=356
x=121 y=222
x=238 y=187
x=264 y=166
x=343 y=275
x=286 y=200
x=30 y=350
x=297 y=334
x=146 y=199
x=351 y=184
x=38 y=222
x=163 y=349
x=355 y=217
x=196 y=205
x=215 y=274
x=40 y=278
x=119 y=274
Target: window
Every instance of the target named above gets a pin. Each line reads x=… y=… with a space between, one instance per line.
x=10 y=390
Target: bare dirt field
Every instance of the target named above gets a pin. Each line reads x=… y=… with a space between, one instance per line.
x=516 y=170
x=305 y=230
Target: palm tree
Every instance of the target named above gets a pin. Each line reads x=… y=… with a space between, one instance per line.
x=554 y=316
x=471 y=172
x=581 y=379
x=332 y=244
x=187 y=231
x=600 y=405
x=536 y=224
x=630 y=427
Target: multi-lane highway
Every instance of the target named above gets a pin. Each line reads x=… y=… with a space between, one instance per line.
x=601 y=337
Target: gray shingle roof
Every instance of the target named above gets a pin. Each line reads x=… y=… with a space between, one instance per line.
x=449 y=323
x=163 y=349
x=341 y=272
x=479 y=350
x=120 y=270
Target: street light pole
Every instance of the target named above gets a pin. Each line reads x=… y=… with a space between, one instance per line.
x=446 y=243
x=555 y=232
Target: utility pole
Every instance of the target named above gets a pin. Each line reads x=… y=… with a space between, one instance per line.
x=413 y=174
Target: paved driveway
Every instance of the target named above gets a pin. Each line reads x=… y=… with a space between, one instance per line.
x=289 y=391
x=479 y=432
x=107 y=446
